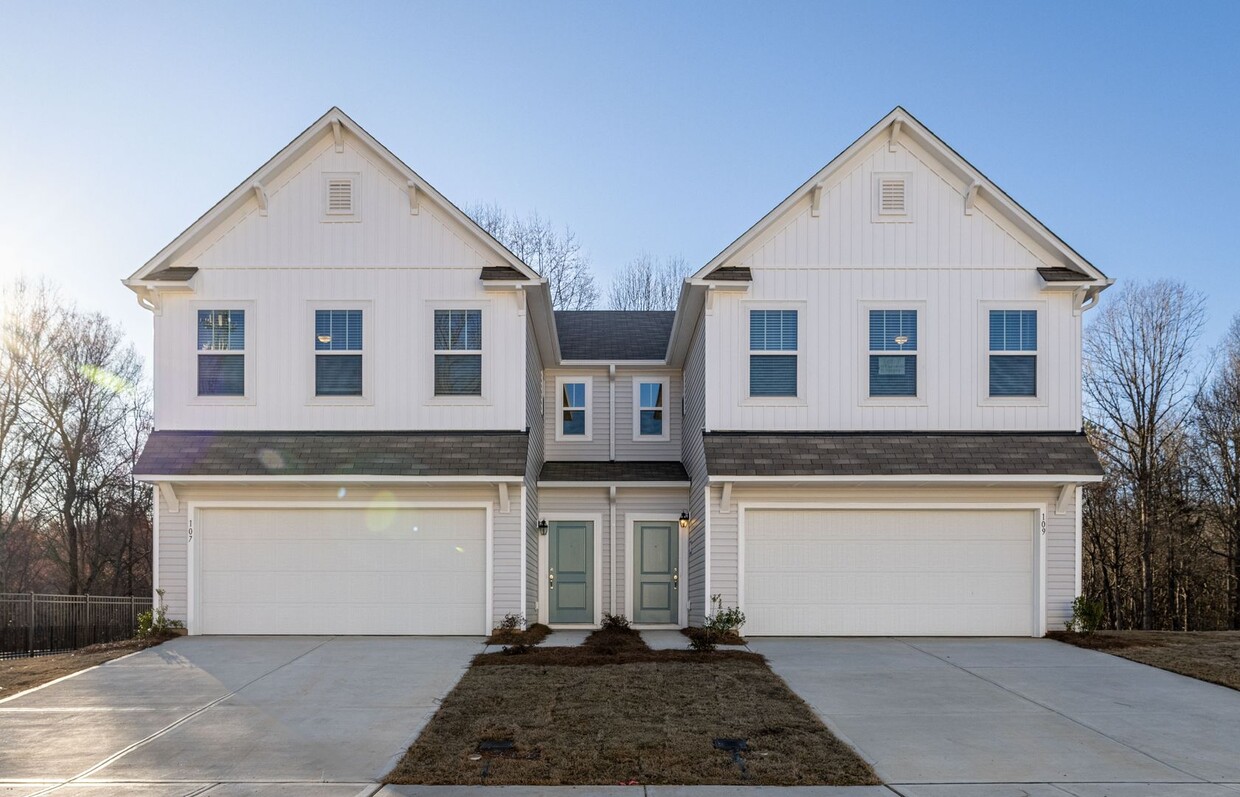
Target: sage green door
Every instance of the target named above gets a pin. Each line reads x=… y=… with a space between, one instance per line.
x=570 y=572
x=656 y=573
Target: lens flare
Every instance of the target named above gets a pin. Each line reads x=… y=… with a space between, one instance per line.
x=105 y=378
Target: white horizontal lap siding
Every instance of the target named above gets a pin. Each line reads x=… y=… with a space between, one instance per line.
x=693 y=455
x=1061 y=565
x=398 y=352
x=597 y=448
x=946 y=261
x=627 y=448
x=507 y=530
x=534 y=422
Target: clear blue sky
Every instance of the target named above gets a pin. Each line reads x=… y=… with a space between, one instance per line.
x=666 y=127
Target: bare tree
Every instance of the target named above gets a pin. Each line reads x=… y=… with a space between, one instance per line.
x=556 y=255
x=646 y=283
x=1217 y=461
x=1138 y=379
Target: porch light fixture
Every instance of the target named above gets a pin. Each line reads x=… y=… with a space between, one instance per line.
x=684 y=520
x=542 y=527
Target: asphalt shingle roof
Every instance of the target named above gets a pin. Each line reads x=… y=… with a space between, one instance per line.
x=501 y=273
x=614 y=334
x=613 y=472
x=196 y=453
x=731 y=274
x=177 y=274
x=1061 y=274
x=899 y=453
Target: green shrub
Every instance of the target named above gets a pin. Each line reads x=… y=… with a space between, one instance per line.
x=155 y=622
x=1087 y=615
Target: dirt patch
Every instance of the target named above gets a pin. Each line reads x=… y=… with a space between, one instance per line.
x=1212 y=656
x=512 y=636
x=613 y=711
x=730 y=638
x=17 y=675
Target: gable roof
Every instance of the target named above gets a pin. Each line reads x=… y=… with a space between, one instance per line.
x=333 y=122
x=901 y=122
x=603 y=335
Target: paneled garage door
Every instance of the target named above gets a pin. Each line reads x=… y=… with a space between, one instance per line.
x=816 y=572
x=341 y=571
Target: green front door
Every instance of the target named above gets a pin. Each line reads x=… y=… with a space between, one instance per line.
x=570 y=572
x=656 y=570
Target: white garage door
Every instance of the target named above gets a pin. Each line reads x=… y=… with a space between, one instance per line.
x=341 y=571
x=884 y=572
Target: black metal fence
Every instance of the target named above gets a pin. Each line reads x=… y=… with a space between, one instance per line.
x=37 y=625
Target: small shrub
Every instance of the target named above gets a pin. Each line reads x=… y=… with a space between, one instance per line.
x=511 y=622
x=704 y=641
x=724 y=621
x=1087 y=615
x=155 y=622
x=615 y=622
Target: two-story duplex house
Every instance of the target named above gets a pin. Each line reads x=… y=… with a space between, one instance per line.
x=863 y=418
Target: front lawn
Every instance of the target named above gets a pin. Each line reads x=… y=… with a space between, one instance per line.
x=613 y=711
x=1212 y=656
x=17 y=675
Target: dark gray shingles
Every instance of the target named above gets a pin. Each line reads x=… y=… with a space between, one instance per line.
x=614 y=334
x=1060 y=274
x=199 y=453
x=613 y=472
x=731 y=274
x=503 y=273
x=179 y=274
x=906 y=453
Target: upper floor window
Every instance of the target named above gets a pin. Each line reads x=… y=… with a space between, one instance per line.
x=458 y=352
x=650 y=408
x=221 y=352
x=337 y=352
x=1013 y=353
x=574 y=409
x=893 y=353
x=773 y=350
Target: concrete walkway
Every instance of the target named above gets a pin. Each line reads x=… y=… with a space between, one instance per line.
x=225 y=716
x=1032 y=717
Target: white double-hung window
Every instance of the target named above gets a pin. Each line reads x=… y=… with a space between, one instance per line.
x=573 y=408
x=338 y=353
x=773 y=353
x=221 y=352
x=1013 y=355
x=650 y=397
x=893 y=353
x=458 y=352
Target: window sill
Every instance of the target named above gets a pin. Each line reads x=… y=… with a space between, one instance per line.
x=652 y=438
x=222 y=401
x=1011 y=401
x=774 y=401
x=340 y=401
x=574 y=438
x=892 y=401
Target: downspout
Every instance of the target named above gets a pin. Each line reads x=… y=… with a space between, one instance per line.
x=611 y=412
x=611 y=499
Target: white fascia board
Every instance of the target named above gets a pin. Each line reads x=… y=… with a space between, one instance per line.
x=688 y=310
x=967 y=172
x=349 y=479
x=617 y=363
x=1055 y=479
x=613 y=485
x=293 y=150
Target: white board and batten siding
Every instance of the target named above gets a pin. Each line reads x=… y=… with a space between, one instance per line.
x=507 y=533
x=627 y=446
x=948 y=516
x=397 y=266
x=948 y=265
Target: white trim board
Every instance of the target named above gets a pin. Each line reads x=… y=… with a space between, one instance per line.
x=682 y=565
x=544 y=604
x=194 y=598
x=1038 y=510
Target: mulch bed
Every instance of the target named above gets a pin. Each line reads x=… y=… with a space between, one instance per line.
x=1212 y=656
x=17 y=675
x=514 y=636
x=613 y=711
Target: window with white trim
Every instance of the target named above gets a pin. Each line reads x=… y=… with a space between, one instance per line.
x=650 y=396
x=458 y=352
x=573 y=411
x=338 y=353
x=893 y=353
x=221 y=352
x=1013 y=353
x=773 y=353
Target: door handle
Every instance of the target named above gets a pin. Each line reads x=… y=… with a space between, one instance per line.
x=676 y=578
x=551 y=579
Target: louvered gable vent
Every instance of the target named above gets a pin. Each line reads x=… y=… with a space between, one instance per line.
x=891 y=196
x=340 y=196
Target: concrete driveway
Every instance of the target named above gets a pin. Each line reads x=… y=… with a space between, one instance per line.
x=1026 y=717
x=223 y=716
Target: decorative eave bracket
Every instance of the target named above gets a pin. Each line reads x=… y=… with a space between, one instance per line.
x=413 y=198
x=1067 y=497
x=170 y=497
x=505 y=506
x=725 y=501
x=815 y=200
x=970 y=197
x=338 y=135
x=895 y=135
x=260 y=196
